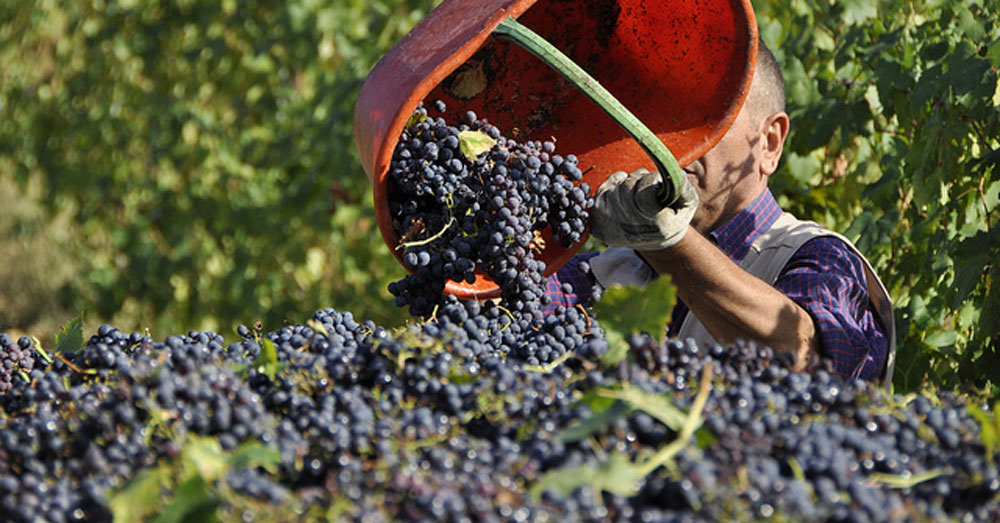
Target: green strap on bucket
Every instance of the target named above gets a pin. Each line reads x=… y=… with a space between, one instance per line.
x=666 y=164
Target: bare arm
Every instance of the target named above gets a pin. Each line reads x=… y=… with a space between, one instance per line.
x=730 y=302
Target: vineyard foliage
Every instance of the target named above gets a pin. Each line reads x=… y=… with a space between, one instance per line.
x=191 y=164
x=206 y=152
x=894 y=107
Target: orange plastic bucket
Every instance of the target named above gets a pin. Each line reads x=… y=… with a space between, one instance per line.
x=683 y=67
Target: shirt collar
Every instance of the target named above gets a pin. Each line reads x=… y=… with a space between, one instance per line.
x=737 y=235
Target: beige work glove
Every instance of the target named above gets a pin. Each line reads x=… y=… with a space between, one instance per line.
x=628 y=213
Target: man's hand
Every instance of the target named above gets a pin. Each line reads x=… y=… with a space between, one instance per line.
x=628 y=213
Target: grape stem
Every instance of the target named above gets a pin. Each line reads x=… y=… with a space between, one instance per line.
x=673 y=177
x=693 y=421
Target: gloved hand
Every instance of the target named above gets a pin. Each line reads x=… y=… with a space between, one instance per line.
x=628 y=213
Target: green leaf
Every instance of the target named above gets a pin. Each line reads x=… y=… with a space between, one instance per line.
x=140 y=497
x=975 y=255
x=993 y=53
x=928 y=86
x=271 y=370
x=254 y=454
x=617 y=475
x=989 y=425
x=204 y=456
x=617 y=348
x=317 y=327
x=990 y=321
x=901 y=481
x=563 y=480
x=598 y=421
x=972 y=28
x=70 y=337
x=193 y=502
x=632 y=309
x=992 y=196
x=658 y=406
x=944 y=338
x=267 y=360
x=414 y=119
x=474 y=143
x=857 y=12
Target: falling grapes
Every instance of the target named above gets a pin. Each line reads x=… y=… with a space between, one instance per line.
x=458 y=212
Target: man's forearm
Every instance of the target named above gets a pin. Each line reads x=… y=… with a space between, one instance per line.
x=730 y=302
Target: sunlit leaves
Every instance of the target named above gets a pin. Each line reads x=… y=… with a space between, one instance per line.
x=203 y=152
x=926 y=143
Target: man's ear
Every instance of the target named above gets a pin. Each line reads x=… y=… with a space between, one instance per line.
x=773 y=136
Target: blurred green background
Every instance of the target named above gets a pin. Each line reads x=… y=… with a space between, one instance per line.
x=190 y=164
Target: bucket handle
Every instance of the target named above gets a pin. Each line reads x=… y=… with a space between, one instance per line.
x=673 y=177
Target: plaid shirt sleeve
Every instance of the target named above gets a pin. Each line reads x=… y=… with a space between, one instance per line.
x=570 y=285
x=826 y=279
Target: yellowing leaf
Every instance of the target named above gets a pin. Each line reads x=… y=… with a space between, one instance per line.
x=989 y=424
x=415 y=118
x=474 y=143
x=206 y=457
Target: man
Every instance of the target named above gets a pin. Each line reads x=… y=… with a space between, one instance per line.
x=742 y=268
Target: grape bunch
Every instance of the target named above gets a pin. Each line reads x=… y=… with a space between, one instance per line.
x=16 y=361
x=457 y=211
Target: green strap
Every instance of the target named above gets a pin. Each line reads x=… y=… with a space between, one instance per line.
x=666 y=164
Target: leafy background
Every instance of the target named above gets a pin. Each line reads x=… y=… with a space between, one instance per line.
x=178 y=165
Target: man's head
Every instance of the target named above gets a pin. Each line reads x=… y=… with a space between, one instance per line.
x=767 y=91
x=734 y=172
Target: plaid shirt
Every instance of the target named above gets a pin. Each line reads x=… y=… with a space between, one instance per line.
x=824 y=277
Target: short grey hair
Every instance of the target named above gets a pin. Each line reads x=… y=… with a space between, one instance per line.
x=767 y=91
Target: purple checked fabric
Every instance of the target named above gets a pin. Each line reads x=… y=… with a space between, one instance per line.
x=824 y=277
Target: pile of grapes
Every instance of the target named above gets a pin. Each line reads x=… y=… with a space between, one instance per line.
x=447 y=420
x=487 y=411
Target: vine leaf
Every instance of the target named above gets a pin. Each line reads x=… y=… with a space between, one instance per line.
x=474 y=143
x=658 y=406
x=193 y=502
x=599 y=420
x=415 y=118
x=989 y=424
x=141 y=496
x=617 y=475
x=267 y=361
x=268 y=353
x=70 y=337
x=623 y=310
